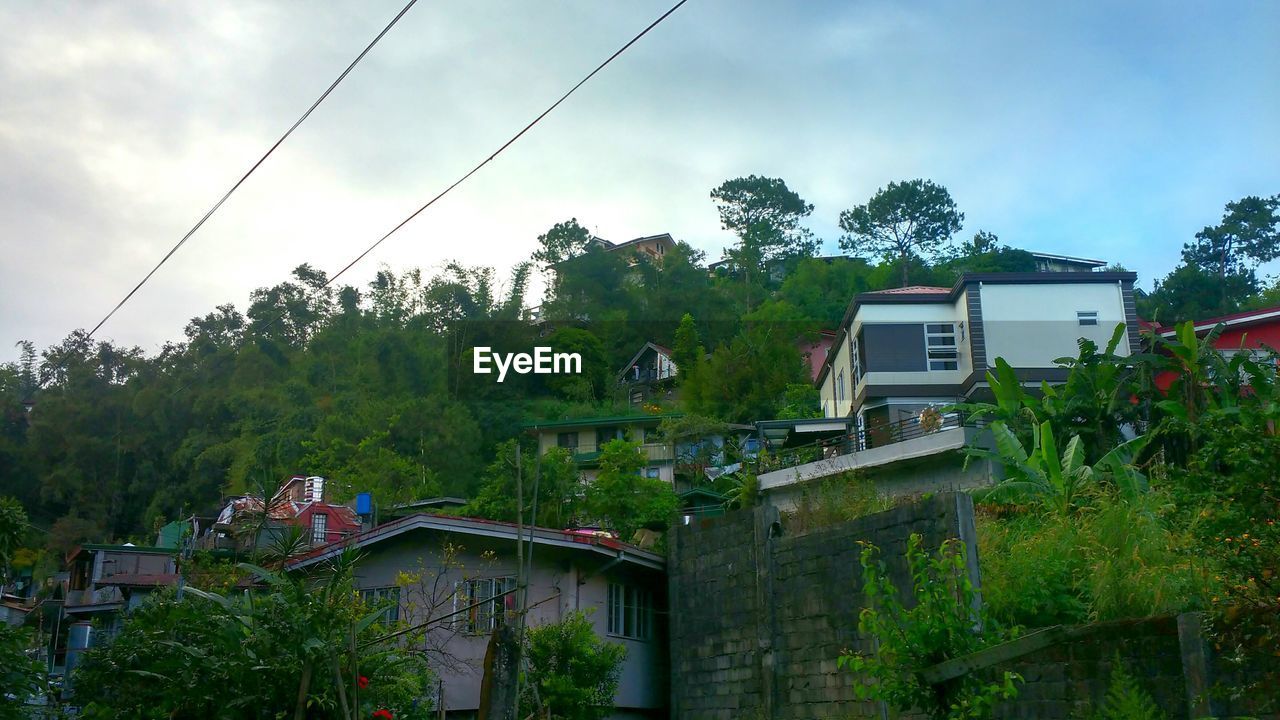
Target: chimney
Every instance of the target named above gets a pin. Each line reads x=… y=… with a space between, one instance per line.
x=314 y=489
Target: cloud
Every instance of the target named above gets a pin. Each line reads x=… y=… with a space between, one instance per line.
x=1114 y=132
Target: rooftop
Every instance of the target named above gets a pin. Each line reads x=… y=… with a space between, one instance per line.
x=1248 y=317
x=912 y=290
x=601 y=420
x=607 y=546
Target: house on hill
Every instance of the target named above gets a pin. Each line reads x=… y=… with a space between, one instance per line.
x=246 y=522
x=650 y=372
x=586 y=435
x=652 y=247
x=463 y=573
x=901 y=356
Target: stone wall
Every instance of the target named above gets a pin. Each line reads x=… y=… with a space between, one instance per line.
x=758 y=619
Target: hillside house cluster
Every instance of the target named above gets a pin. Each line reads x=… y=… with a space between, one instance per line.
x=886 y=378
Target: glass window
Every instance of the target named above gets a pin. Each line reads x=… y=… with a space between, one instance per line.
x=385 y=597
x=940 y=344
x=1087 y=317
x=840 y=386
x=855 y=359
x=630 y=611
x=567 y=440
x=482 y=604
x=319 y=529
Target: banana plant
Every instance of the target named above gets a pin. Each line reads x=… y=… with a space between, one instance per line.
x=1058 y=479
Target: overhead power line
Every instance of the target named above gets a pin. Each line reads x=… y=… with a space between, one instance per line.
x=254 y=167
x=507 y=144
x=280 y=315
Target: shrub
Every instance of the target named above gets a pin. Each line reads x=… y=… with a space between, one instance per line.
x=835 y=499
x=942 y=624
x=573 y=674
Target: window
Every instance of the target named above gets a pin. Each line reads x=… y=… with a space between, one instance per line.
x=840 y=386
x=605 y=434
x=384 y=597
x=630 y=612
x=855 y=359
x=567 y=440
x=319 y=529
x=652 y=472
x=482 y=604
x=1087 y=317
x=940 y=345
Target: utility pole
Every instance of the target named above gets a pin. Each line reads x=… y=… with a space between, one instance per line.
x=520 y=577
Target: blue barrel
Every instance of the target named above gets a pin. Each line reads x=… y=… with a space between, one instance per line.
x=364 y=503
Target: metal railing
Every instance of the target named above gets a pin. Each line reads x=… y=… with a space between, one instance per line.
x=874 y=436
x=649 y=375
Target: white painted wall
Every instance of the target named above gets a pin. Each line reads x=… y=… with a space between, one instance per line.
x=1032 y=325
x=832 y=404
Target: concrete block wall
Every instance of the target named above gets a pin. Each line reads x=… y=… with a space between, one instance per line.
x=759 y=618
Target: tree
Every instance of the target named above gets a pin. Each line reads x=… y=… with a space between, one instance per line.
x=21 y=677
x=747 y=378
x=564 y=241
x=687 y=350
x=1248 y=235
x=302 y=646
x=594 y=380
x=559 y=491
x=1191 y=292
x=765 y=214
x=13 y=526
x=574 y=673
x=910 y=219
x=622 y=498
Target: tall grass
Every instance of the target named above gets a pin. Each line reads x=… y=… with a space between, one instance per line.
x=1116 y=558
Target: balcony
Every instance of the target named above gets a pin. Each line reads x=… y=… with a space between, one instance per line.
x=104 y=598
x=866 y=448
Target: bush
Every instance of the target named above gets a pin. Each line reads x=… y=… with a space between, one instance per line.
x=287 y=646
x=20 y=676
x=572 y=672
x=835 y=499
x=941 y=625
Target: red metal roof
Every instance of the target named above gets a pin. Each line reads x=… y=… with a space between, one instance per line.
x=1240 y=318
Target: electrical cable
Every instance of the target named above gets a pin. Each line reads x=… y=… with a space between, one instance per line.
x=254 y=167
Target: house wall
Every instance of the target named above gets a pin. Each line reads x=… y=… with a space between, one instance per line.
x=944 y=311
x=562 y=580
x=108 y=563
x=336 y=527
x=834 y=404
x=1032 y=325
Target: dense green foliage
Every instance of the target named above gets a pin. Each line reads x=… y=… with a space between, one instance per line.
x=299 y=648
x=20 y=676
x=573 y=674
x=1218 y=274
x=1182 y=517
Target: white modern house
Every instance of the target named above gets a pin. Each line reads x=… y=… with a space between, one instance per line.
x=901 y=356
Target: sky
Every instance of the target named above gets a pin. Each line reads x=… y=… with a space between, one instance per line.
x=1106 y=130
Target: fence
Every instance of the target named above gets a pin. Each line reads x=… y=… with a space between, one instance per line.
x=876 y=435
